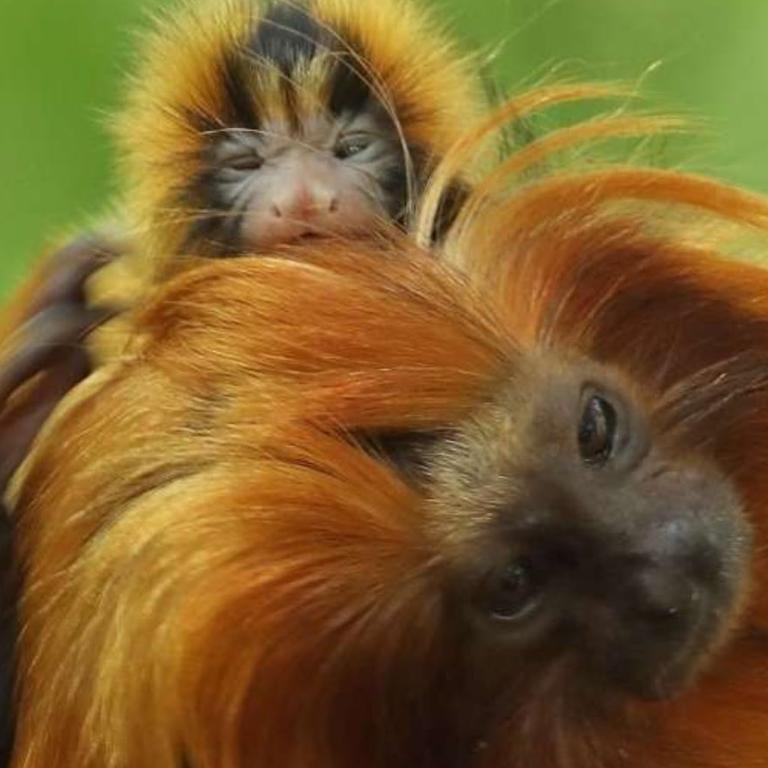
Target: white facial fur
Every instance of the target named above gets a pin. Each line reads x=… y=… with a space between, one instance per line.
x=333 y=176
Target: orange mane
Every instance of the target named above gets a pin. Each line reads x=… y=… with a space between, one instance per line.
x=217 y=573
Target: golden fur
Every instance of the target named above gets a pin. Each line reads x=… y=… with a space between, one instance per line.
x=217 y=574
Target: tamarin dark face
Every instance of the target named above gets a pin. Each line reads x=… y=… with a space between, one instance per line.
x=580 y=538
x=303 y=145
x=330 y=175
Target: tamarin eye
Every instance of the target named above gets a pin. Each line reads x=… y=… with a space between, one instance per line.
x=597 y=431
x=514 y=592
x=245 y=162
x=351 y=146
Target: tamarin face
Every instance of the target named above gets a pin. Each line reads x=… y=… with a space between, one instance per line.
x=304 y=146
x=331 y=175
x=253 y=124
x=579 y=535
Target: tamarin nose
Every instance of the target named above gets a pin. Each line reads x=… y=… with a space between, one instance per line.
x=677 y=565
x=663 y=599
x=662 y=595
x=306 y=204
x=680 y=546
x=639 y=606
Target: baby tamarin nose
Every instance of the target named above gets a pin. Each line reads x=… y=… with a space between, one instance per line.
x=299 y=207
x=306 y=203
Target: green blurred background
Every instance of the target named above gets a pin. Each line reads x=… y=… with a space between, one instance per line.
x=61 y=64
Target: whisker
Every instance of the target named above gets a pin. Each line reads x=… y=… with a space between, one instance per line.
x=466 y=147
x=712 y=389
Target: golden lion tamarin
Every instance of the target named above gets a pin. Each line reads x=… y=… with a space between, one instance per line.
x=353 y=507
x=250 y=123
x=360 y=508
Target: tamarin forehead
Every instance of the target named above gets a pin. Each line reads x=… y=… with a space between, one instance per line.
x=286 y=67
x=219 y=64
x=288 y=36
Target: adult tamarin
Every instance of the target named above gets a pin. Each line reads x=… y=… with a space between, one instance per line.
x=371 y=514
x=454 y=368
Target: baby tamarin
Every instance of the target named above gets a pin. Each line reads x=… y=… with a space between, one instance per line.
x=347 y=510
x=251 y=124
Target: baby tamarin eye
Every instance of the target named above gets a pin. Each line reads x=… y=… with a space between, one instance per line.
x=246 y=162
x=349 y=146
x=597 y=430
